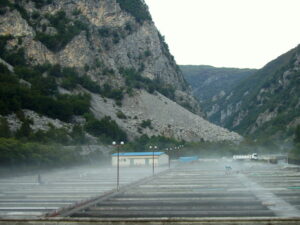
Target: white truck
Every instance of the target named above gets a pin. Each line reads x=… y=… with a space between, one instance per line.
x=252 y=156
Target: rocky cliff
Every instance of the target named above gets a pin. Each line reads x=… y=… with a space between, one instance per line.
x=267 y=103
x=105 y=52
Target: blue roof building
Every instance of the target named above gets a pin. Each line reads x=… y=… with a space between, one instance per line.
x=140 y=158
x=138 y=153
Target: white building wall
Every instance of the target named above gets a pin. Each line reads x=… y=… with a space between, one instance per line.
x=123 y=161
x=155 y=161
x=140 y=160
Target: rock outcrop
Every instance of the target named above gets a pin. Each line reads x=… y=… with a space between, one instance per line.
x=101 y=39
x=264 y=104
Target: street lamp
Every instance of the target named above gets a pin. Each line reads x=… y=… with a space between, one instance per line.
x=153 y=148
x=169 y=157
x=118 y=160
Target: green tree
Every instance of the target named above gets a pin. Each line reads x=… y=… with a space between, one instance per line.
x=4 y=128
x=24 y=130
x=66 y=31
x=78 y=135
x=146 y=123
x=107 y=128
x=297 y=135
x=137 y=8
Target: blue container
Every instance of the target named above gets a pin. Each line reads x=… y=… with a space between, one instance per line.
x=188 y=159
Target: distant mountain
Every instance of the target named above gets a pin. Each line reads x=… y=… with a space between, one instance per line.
x=210 y=82
x=266 y=103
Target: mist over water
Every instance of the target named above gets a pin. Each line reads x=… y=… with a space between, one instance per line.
x=40 y=192
x=208 y=187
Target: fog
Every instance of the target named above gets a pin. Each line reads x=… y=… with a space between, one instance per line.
x=39 y=192
x=210 y=186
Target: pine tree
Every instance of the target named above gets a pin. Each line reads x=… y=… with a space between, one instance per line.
x=297 y=135
x=4 y=128
x=25 y=130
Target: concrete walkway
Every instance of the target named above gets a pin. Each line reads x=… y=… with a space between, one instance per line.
x=206 y=189
x=24 y=197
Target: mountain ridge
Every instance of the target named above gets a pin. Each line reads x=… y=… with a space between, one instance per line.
x=208 y=81
x=265 y=104
x=66 y=54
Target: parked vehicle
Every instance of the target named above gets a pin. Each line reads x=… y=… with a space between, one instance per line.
x=253 y=156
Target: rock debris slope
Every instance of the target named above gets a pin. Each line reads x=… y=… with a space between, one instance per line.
x=116 y=55
x=166 y=116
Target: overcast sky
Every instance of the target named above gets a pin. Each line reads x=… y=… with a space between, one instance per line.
x=227 y=33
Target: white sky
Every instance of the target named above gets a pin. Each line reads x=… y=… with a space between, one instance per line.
x=229 y=33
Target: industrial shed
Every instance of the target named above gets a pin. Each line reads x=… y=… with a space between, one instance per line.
x=140 y=159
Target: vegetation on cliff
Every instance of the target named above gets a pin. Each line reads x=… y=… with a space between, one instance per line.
x=137 y=8
x=264 y=104
x=295 y=152
x=133 y=79
x=66 y=31
x=40 y=94
x=17 y=153
x=208 y=81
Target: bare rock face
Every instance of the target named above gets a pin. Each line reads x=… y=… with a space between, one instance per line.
x=13 y=24
x=77 y=53
x=106 y=40
x=102 y=13
x=38 y=53
x=145 y=49
x=37 y=122
x=127 y=44
x=43 y=122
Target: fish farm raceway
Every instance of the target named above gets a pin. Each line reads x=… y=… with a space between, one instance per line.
x=201 y=192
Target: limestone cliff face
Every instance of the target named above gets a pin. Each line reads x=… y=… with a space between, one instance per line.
x=139 y=47
x=112 y=38
x=101 y=39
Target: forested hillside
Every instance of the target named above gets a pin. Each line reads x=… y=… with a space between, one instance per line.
x=210 y=83
x=265 y=104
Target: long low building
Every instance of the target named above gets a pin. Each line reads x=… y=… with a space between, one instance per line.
x=140 y=158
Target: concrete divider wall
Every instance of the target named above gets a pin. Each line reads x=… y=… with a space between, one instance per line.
x=140 y=221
